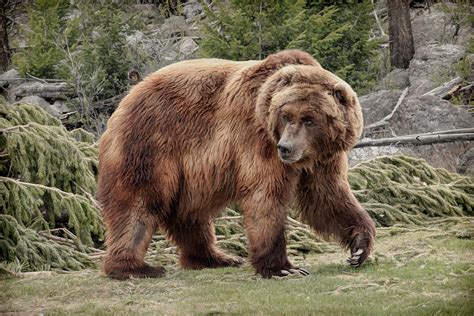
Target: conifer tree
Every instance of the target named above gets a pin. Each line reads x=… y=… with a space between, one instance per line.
x=337 y=36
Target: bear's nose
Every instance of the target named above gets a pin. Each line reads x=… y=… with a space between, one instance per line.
x=284 y=148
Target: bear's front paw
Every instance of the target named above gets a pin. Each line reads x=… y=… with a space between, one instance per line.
x=360 y=246
x=269 y=273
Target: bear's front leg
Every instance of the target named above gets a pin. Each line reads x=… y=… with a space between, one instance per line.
x=327 y=204
x=264 y=219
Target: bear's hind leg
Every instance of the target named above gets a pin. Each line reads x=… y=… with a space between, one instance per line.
x=128 y=236
x=197 y=243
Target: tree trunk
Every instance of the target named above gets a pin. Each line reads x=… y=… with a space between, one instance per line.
x=402 y=47
x=4 y=46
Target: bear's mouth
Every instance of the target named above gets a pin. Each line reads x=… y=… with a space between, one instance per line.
x=289 y=159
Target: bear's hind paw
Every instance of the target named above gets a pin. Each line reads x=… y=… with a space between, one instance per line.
x=144 y=271
x=269 y=273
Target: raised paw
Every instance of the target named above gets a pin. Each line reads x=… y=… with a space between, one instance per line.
x=355 y=258
x=360 y=246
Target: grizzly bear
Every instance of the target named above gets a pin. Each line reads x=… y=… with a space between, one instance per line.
x=197 y=135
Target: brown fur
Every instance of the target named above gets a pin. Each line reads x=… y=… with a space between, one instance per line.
x=197 y=135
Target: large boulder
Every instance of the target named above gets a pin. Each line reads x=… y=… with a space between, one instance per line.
x=429 y=114
x=174 y=25
x=432 y=66
x=7 y=76
x=42 y=103
x=396 y=79
x=377 y=105
x=431 y=26
x=183 y=49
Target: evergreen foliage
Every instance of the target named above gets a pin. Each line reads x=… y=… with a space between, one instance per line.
x=82 y=42
x=47 y=178
x=402 y=189
x=46 y=19
x=26 y=247
x=337 y=36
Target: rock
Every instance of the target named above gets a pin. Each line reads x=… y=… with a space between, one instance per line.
x=377 y=105
x=61 y=106
x=42 y=103
x=192 y=9
x=466 y=163
x=10 y=74
x=187 y=46
x=174 y=25
x=432 y=66
x=429 y=114
x=184 y=49
x=358 y=155
x=45 y=90
x=135 y=38
x=431 y=27
x=437 y=25
x=149 y=13
x=396 y=79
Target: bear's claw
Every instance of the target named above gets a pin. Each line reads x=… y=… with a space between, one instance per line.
x=355 y=258
x=268 y=274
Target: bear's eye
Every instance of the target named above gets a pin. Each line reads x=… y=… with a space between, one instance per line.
x=285 y=118
x=307 y=121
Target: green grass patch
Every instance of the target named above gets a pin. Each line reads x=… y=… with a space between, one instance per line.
x=415 y=271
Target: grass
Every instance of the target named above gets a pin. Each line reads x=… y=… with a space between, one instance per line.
x=415 y=271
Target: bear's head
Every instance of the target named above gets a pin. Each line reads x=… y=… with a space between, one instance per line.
x=310 y=113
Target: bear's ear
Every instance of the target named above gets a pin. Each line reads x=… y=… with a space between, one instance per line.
x=342 y=95
x=275 y=83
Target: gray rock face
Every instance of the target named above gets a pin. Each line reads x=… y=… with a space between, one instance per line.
x=10 y=74
x=432 y=65
x=184 y=49
x=429 y=114
x=396 y=79
x=377 y=105
x=42 y=103
x=431 y=27
x=173 y=25
x=61 y=106
x=466 y=163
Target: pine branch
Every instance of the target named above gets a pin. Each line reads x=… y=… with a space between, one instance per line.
x=40 y=186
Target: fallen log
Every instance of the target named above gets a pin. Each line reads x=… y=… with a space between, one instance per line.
x=418 y=139
x=60 y=90
x=444 y=89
